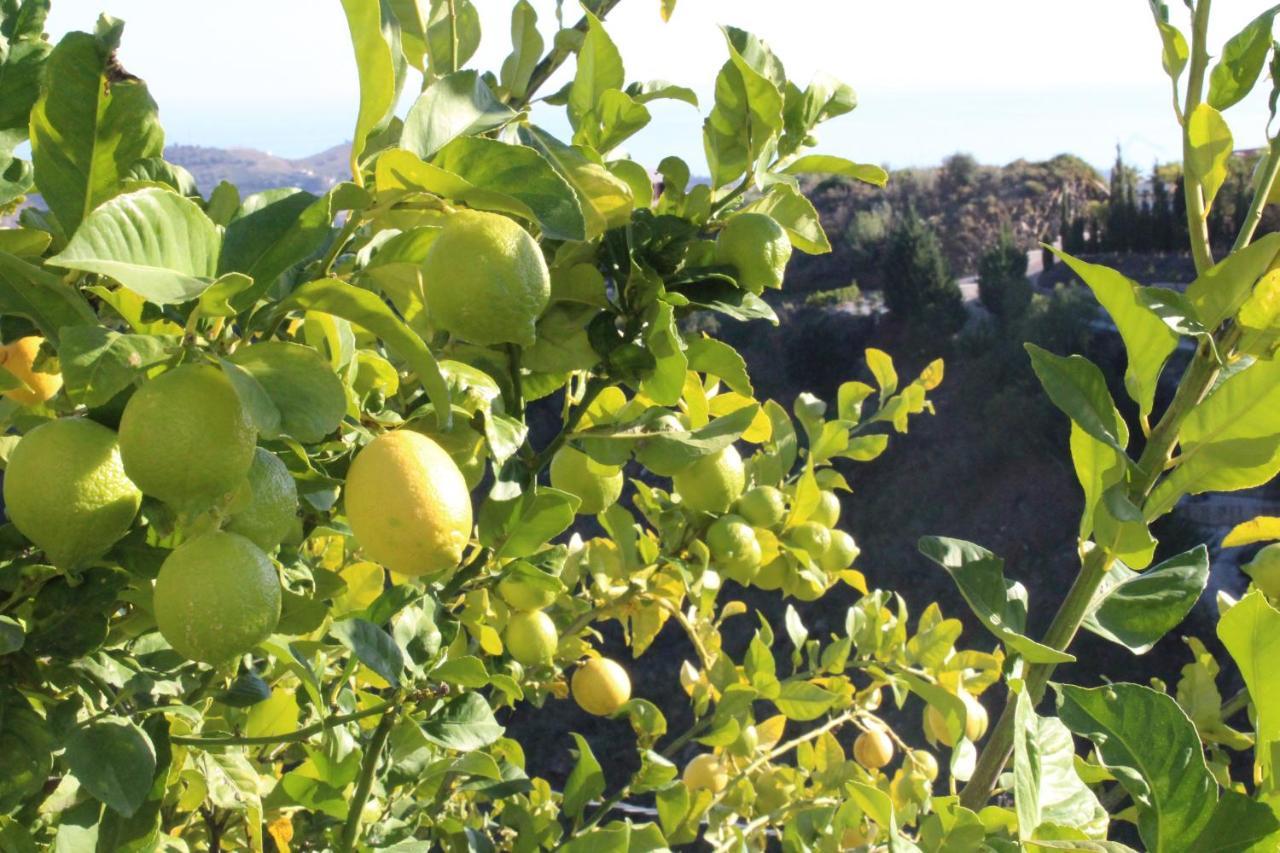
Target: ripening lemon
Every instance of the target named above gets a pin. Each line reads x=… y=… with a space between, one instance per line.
x=268 y=502
x=18 y=357
x=827 y=512
x=186 y=439
x=712 y=483
x=65 y=489
x=486 y=280
x=763 y=506
x=975 y=718
x=408 y=504
x=1264 y=569
x=521 y=593
x=773 y=575
x=601 y=686
x=873 y=749
x=217 y=596
x=840 y=553
x=924 y=763
x=757 y=247
x=935 y=727
x=735 y=550
x=814 y=538
x=596 y=485
x=706 y=772
x=531 y=637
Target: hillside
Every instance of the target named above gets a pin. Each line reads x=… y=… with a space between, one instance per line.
x=254 y=171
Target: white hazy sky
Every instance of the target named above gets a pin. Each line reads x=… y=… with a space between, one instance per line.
x=1001 y=79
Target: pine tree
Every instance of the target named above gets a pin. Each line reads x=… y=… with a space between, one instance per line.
x=918 y=284
x=1002 y=278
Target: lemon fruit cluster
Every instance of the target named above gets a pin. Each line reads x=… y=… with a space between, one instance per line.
x=19 y=358
x=712 y=483
x=757 y=247
x=530 y=636
x=66 y=490
x=486 y=280
x=217 y=596
x=408 y=504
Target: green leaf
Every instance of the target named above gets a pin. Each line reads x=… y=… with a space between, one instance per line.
x=1146 y=740
x=44 y=299
x=89 y=127
x=24 y=242
x=1230 y=441
x=797 y=215
x=1046 y=787
x=827 y=164
x=458 y=104
x=803 y=701
x=262 y=411
x=465 y=723
x=1001 y=605
x=302 y=385
x=1251 y=632
x=375 y=38
x=526 y=49
x=586 y=781
x=665 y=383
x=604 y=200
x=1241 y=62
x=654 y=90
x=1220 y=291
x=1098 y=467
x=1075 y=385
x=21 y=64
x=1210 y=148
x=1174 y=54
x=521 y=526
x=599 y=71
x=372 y=645
x=746 y=118
x=1137 y=609
x=153 y=241
x=453 y=34
x=708 y=355
x=1148 y=341
x=12 y=637
x=113 y=760
x=365 y=309
x=98 y=363
x=1120 y=528
x=1239 y=825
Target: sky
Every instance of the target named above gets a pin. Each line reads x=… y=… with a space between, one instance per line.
x=1000 y=79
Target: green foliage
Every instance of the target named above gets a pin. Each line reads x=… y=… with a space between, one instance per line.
x=918 y=285
x=1002 y=279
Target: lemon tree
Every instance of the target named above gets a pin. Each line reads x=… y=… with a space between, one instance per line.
x=331 y=517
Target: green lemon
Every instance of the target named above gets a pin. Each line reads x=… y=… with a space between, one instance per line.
x=757 y=247
x=712 y=483
x=1264 y=569
x=270 y=503
x=596 y=485
x=486 y=280
x=531 y=637
x=840 y=553
x=658 y=455
x=827 y=513
x=814 y=538
x=735 y=550
x=26 y=754
x=763 y=506
x=923 y=763
x=186 y=439
x=217 y=596
x=65 y=489
x=523 y=592
x=773 y=575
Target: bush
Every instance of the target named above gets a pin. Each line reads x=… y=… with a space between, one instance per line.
x=835 y=296
x=918 y=286
x=1002 y=279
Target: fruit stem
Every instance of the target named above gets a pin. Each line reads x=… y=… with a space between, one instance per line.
x=373 y=752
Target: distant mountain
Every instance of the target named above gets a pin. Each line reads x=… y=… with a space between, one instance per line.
x=253 y=171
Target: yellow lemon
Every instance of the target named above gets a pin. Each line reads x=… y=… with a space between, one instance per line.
x=18 y=357
x=486 y=280
x=601 y=686
x=186 y=439
x=706 y=772
x=216 y=597
x=408 y=504
x=65 y=489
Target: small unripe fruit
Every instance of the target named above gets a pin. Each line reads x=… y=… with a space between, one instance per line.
x=935 y=727
x=735 y=550
x=975 y=719
x=873 y=749
x=1264 y=569
x=924 y=763
x=523 y=594
x=531 y=637
x=840 y=554
x=706 y=772
x=763 y=506
x=827 y=513
x=814 y=538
